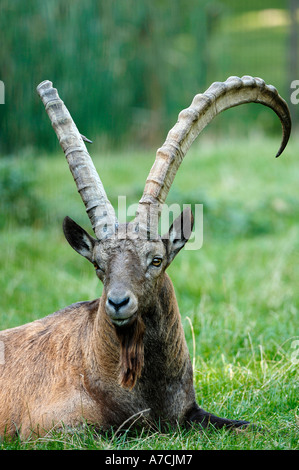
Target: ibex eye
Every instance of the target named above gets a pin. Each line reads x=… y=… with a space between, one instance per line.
x=156 y=261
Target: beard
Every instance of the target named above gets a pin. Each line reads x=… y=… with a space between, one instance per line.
x=131 y=352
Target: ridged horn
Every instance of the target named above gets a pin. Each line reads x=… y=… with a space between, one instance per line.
x=89 y=185
x=191 y=121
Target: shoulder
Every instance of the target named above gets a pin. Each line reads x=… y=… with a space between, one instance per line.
x=69 y=313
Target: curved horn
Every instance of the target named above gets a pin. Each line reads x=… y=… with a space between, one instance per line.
x=204 y=107
x=90 y=187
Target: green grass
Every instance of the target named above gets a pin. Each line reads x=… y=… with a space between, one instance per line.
x=239 y=291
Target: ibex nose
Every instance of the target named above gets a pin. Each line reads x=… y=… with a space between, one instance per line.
x=121 y=308
x=117 y=304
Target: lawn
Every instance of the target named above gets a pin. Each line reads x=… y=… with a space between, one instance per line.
x=238 y=294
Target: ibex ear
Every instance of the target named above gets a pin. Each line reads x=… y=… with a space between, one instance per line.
x=80 y=240
x=179 y=233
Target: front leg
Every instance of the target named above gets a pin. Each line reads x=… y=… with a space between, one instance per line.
x=202 y=417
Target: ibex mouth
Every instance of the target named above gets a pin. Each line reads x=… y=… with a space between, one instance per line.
x=120 y=322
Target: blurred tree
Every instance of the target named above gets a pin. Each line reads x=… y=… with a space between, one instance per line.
x=124 y=69
x=121 y=67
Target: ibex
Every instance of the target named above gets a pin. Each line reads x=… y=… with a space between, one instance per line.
x=123 y=355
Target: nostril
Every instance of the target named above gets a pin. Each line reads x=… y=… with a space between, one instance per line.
x=118 y=303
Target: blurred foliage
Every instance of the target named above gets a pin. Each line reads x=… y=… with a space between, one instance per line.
x=125 y=69
x=18 y=199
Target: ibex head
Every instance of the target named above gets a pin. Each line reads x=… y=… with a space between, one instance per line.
x=131 y=259
x=129 y=266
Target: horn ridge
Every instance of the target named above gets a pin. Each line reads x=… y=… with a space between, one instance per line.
x=192 y=120
x=88 y=182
